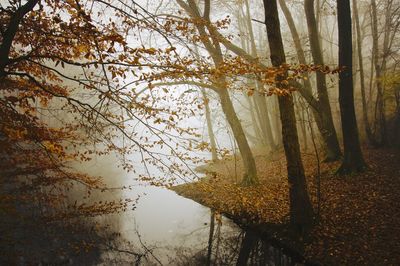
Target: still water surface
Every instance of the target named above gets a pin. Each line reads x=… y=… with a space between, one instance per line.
x=173 y=230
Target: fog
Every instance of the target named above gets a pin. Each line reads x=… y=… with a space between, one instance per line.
x=188 y=132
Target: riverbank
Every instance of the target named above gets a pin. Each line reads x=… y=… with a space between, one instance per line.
x=359 y=214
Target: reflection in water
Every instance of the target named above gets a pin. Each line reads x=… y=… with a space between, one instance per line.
x=39 y=226
x=167 y=229
x=164 y=229
x=255 y=251
x=214 y=241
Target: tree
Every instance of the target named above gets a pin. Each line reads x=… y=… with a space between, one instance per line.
x=246 y=247
x=212 y=45
x=380 y=119
x=328 y=128
x=259 y=97
x=301 y=213
x=210 y=130
x=353 y=160
x=380 y=59
x=61 y=101
x=320 y=107
x=367 y=126
x=35 y=173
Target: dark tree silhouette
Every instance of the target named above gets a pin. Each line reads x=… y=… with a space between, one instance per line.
x=353 y=160
x=301 y=212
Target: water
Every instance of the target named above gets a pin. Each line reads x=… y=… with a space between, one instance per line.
x=163 y=229
x=179 y=231
x=172 y=230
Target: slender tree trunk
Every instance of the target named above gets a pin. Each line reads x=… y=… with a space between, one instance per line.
x=260 y=98
x=299 y=108
x=296 y=40
x=355 y=54
x=212 y=45
x=210 y=238
x=263 y=117
x=353 y=160
x=379 y=108
x=323 y=116
x=254 y=122
x=248 y=242
x=301 y=213
x=250 y=176
x=210 y=130
x=371 y=79
x=276 y=121
x=253 y=104
x=333 y=148
x=319 y=7
x=367 y=127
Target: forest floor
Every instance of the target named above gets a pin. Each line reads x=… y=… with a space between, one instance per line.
x=359 y=221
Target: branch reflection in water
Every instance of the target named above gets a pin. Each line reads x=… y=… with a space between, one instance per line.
x=228 y=245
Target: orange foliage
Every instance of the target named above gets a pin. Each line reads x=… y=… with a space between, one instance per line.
x=359 y=214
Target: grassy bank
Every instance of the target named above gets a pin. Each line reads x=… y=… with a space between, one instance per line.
x=359 y=219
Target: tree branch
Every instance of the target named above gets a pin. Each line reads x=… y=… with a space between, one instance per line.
x=188 y=82
x=10 y=32
x=242 y=53
x=207 y=9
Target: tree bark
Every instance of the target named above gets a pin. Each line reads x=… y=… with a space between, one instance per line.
x=248 y=243
x=299 y=108
x=301 y=213
x=250 y=176
x=9 y=34
x=277 y=122
x=253 y=105
x=379 y=108
x=367 y=127
x=353 y=160
x=263 y=117
x=210 y=130
x=254 y=122
x=210 y=238
x=329 y=132
x=212 y=45
x=323 y=116
x=260 y=99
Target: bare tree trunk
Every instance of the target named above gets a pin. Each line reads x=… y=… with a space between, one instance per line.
x=250 y=176
x=276 y=121
x=367 y=127
x=301 y=213
x=259 y=97
x=212 y=45
x=333 y=148
x=379 y=107
x=210 y=238
x=248 y=242
x=253 y=104
x=210 y=130
x=299 y=107
x=254 y=121
x=323 y=116
x=263 y=117
x=353 y=160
